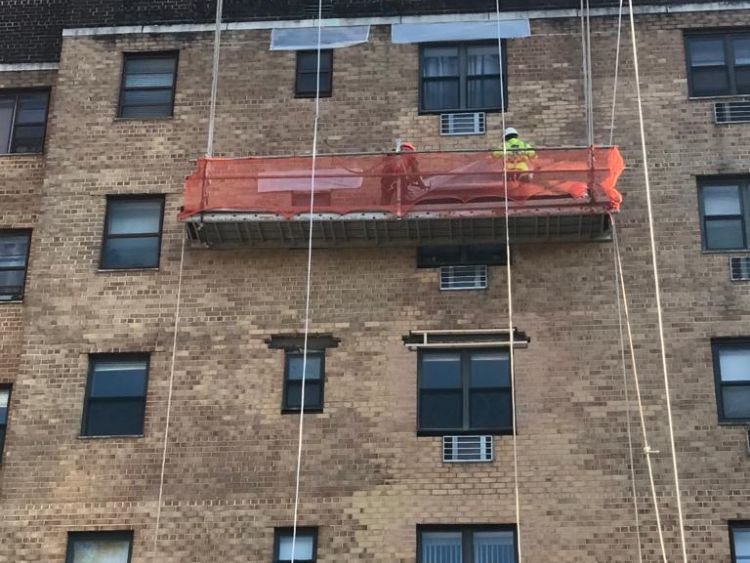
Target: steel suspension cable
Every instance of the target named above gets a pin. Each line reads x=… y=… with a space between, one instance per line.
x=617 y=75
x=657 y=288
x=308 y=284
x=511 y=356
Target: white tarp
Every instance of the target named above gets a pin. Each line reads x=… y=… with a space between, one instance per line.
x=306 y=38
x=458 y=31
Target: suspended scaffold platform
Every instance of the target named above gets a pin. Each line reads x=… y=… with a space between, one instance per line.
x=553 y=194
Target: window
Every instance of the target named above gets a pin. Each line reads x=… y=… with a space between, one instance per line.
x=23 y=121
x=4 y=404
x=724 y=207
x=132 y=232
x=464 y=391
x=99 y=547
x=14 y=257
x=459 y=544
x=148 y=84
x=740 y=537
x=307 y=70
x=305 y=545
x=115 y=400
x=718 y=63
x=456 y=77
x=314 y=379
x=732 y=372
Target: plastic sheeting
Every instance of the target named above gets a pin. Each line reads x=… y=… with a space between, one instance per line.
x=306 y=38
x=458 y=31
x=442 y=183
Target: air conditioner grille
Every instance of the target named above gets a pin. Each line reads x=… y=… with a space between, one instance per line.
x=739 y=268
x=468 y=449
x=454 y=278
x=735 y=111
x=462 y=123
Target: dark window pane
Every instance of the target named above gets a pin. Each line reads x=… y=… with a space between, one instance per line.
x=494 y=547
x=482 y=60
x=4 y=401
x=441 y=371
x=440 y=94
x=294 y=395
x=13 y=250
x=706 y=51
x=308 y=61
x=440 y=61
x=441 y=409
x=299 y=549
x=114 y=417
x=741 y=48
x=721 y=200
x=134 y=217
x=441 y=547
x=724 y=234
x=736 y=401
x=710 y=81
x=7 y=108
x=306 y=83
x=147 y=111
x=490 y=409
x=28 y=138
x=119 y=379
x=2 y=440
x=139 y=252
x=149 y=81
x=741 y=537
x=483 y=93
x=296 y=362
x=734 y=365
x=489 y=369
x=11 y=284
x=742 y=79
x=147 y=97
x=110 y=548
x=149 y=65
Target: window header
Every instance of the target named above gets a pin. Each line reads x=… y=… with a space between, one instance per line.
x=471 y=338
x=306 y=38
x=458 y=31
x=296 y=341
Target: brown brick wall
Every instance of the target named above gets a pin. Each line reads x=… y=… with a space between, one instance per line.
x=367 y=480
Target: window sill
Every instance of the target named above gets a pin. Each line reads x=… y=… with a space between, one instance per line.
x=720 y=98
x=131 y=119
x=297 y=411
x=11 y=302
x=423 y=433
x=114 y=436
x=125 y=270
x=734 y=422
x=21 y=154
x=725 y=252
x=423 y=112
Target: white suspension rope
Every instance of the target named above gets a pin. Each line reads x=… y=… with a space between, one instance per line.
x=214 y=78
x=657 y=288
x=308 y=284
x=510 y=290
x=617 y=76
x=209 y=152
x=644 y=433
x=631 y=457
x=590 y=73
x=585 y=69
x=155 y=547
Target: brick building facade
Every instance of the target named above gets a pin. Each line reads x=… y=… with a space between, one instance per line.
x=369 y=482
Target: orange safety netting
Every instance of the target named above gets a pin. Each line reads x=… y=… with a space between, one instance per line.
x=405 y=183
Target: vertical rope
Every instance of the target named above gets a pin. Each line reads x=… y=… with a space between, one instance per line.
x=657 y=288
x=644 y=434
x=510 y=289
x=585 y=69
x=628 y=426
x=155 y=546
x=617 y=76
x=590 y=74
x=308 y=284
x=214 y=79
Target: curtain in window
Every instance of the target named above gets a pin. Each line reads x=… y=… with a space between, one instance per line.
x=441 y=547
x=494 y=547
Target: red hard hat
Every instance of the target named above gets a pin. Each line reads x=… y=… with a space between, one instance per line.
x=408 y=147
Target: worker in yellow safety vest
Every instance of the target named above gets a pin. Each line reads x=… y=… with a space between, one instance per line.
x=518 y=155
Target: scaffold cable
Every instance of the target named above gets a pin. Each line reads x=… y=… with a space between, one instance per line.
x=648 y=452
x=308 y=283
x=509 y=281
x=657 y=286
